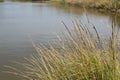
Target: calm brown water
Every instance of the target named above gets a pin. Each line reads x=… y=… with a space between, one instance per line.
x=19 y=20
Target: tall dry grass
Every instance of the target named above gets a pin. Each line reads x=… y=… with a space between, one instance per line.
x=80 y=54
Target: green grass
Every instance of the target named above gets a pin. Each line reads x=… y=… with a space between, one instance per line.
x=81 y=54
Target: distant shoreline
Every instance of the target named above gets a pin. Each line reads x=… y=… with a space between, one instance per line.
x=102 y=5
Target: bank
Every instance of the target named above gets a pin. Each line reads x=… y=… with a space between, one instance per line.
x=108 y=5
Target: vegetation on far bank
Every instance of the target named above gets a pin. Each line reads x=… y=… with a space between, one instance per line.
x=1 y=0
x=110 y=5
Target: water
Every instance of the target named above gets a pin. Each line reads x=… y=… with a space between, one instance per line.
x=40 y=21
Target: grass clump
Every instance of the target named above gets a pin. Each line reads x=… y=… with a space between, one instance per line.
x=81 y=55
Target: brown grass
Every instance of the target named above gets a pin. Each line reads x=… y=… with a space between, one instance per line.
x=81 y=54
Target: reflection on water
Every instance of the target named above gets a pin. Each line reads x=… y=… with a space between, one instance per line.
x=18 y=21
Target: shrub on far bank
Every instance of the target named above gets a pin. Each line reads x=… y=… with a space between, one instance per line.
x=1 y=0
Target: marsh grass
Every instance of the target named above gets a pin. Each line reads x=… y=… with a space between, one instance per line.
x=80 y=54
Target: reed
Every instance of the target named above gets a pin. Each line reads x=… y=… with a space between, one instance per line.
x=80 y=54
